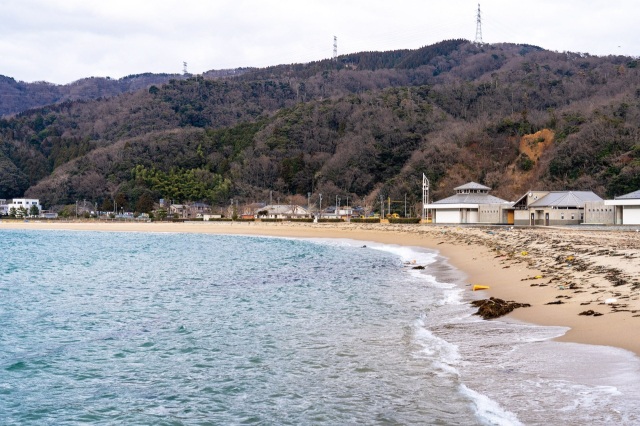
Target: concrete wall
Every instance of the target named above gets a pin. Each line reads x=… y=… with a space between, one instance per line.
x=490 y=213
x=557 y=217
x=596 y=212
x=521 y=217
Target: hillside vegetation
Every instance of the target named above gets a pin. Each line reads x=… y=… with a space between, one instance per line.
x=513 y=117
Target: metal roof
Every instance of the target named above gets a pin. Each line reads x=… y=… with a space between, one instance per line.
x=478 y=198
x=566 y=199
x=472 y=185
x=630 y=196
x=285 y=209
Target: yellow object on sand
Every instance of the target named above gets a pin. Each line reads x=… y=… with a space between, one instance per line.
x=524 y=253
x=537 y=277
x=477 y=287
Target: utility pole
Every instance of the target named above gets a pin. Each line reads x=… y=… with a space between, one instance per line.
x=348 y=212
x=425 y=196
x=320 y=208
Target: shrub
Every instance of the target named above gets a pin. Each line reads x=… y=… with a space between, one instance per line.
x=525 y=163
x=366 y=220
x=405 y=220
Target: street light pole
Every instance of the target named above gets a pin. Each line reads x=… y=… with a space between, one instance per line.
x=320 y=208
x=348 y=213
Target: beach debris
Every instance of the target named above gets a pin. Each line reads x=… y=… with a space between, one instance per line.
x=418 y=267
x=557 y=302
x=610 y=301
x=591 y=312
x=477 y=287
x=537 y=277
x=494 y=307
x=524 y=253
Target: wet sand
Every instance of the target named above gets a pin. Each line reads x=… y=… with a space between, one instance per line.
x=561 y=272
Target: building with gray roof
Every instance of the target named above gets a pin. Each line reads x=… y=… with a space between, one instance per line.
x=626 y=208
x=471 y=203
x=553 y=207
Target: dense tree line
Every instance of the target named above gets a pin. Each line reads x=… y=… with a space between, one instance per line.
x=367 y=125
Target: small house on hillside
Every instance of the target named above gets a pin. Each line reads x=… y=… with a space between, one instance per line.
x=550 y=208
x=471 y=203
x=627 y=208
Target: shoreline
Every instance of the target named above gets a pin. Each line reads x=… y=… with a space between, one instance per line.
x=578 y=270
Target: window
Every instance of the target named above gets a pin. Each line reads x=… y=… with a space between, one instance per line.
x=572 y=216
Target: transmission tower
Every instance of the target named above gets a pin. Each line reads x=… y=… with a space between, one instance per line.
x=478 y=39
x=335 y=48
x=184 y=68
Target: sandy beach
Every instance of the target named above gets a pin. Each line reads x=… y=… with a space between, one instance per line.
x=583 y=279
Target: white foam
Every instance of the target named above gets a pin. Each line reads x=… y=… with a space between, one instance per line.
x=488 y=411
x=444 y=356
x=413 y=255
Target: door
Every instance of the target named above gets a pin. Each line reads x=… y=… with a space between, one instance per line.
x=546 y=219
x=533 y=219
x=510 y=217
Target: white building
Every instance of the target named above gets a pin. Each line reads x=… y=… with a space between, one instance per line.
x=553 y=208
x=472 y=203
x=627 y=208
x=282 y=211
x=17 y=203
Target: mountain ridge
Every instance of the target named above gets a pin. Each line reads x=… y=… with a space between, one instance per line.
x=364 y=125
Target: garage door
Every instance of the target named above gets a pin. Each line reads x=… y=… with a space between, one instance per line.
x=447 y=216
x=631 y=215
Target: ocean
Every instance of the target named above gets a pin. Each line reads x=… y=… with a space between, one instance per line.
x=191 y=329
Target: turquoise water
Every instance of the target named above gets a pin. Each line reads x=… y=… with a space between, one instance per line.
x=142 y=328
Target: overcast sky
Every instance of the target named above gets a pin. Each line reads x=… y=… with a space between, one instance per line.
x=61 y=41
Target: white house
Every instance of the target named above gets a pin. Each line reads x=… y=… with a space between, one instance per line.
x=627 y=208
x=472 y=203
x=17 y=203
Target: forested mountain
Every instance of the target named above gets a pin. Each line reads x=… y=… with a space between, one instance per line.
x=513 y=117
